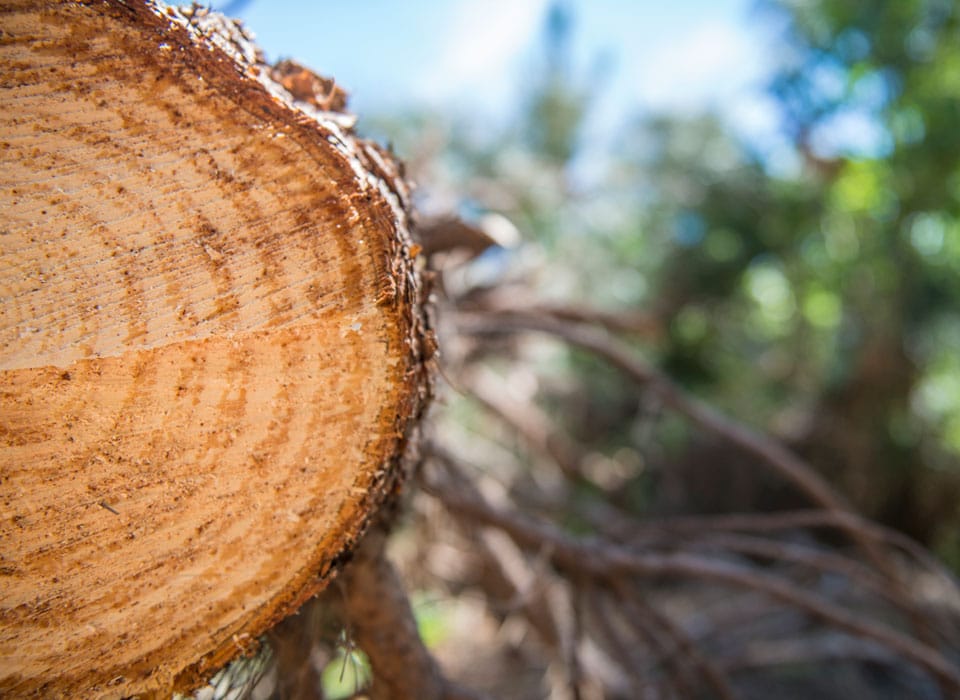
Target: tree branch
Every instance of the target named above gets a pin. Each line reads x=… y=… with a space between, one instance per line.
x=383 y=625
x=770 y=452
x=600 y=560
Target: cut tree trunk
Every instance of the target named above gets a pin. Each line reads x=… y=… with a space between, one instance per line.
x=210 y=344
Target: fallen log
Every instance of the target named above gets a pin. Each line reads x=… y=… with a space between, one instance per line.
x=210 y=343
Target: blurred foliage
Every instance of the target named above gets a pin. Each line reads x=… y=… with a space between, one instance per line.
x=822 y=304
x=346 y=674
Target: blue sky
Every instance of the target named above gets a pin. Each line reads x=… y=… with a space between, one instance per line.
x=471 y=54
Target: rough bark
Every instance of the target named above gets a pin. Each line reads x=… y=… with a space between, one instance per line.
x=209 y=344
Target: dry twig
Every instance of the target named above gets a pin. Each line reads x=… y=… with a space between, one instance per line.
x=769 y=452
x=602 y=560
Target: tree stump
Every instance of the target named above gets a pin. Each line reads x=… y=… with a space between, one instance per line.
x=210 y=343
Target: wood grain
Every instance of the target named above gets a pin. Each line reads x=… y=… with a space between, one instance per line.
x=209 y=353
